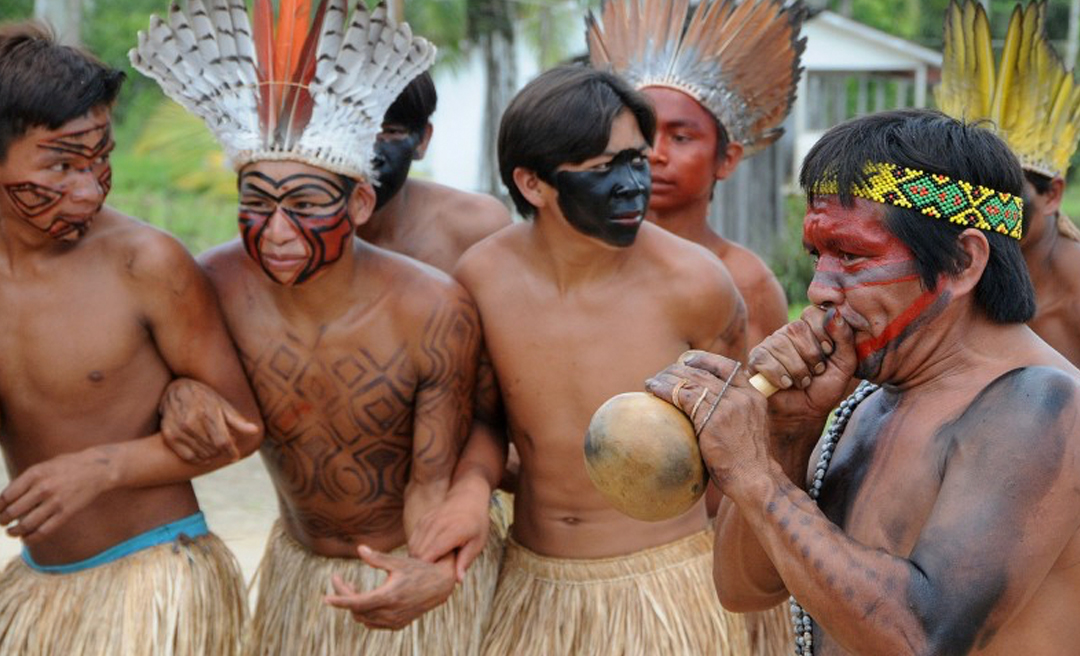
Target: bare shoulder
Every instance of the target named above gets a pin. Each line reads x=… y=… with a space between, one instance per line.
x=703 y=273
x=747 y=268
x=480 y=212
x=492 y=257
x=146 y=254
x=418 y=286
x=225 y=262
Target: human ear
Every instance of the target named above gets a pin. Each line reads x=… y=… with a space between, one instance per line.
x=726 y=163
x=361 y=203
x=530 y=186
x=1054 y=195
x=425 y=139
x=976 y=250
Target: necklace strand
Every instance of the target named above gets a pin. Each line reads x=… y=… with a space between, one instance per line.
x=803 y=623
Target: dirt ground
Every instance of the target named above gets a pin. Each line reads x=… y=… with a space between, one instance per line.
x=239 y=504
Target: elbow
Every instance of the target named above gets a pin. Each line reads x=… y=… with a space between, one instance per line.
x=743 y=599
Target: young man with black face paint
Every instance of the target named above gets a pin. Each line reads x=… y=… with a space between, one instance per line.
x=721 y=86
x=940 y=513
x=425 y=220
x=363 y=361
x=576 y=304
x=100 y=315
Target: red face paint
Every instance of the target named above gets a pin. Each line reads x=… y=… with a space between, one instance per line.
x=56 y=180
x=868 y=274
x=296 y=225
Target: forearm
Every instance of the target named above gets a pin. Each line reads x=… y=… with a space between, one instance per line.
x=147 y=461
x=421 y=497
x=844 y=585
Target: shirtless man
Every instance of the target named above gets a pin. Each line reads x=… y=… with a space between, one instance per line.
x=100 y=313
x=425 y=220
x=363 y=362
x=1043 y=131
x=946 y=519
x=695 y=98
x=1051 y=247
x=576 y=304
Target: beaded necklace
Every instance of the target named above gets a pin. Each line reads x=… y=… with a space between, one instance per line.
x=804 y=624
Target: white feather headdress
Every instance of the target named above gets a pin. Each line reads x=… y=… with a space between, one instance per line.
x=303 y=88
x=740 y=60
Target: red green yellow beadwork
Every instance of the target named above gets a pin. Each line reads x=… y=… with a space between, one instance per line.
x=938 y=196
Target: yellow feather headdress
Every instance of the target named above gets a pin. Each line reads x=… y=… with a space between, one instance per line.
x=740 y=60
x=1030 y=97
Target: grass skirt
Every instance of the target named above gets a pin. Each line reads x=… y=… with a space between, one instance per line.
x=657 y=601
x=291 y=617
x=182 y=598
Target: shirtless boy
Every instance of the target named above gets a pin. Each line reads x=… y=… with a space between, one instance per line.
x=946 y=518
x=576 y=304
x=362 y=360
x=100 y=313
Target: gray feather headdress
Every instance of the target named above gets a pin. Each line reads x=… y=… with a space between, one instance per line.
x=740 y=60
x=303 y=88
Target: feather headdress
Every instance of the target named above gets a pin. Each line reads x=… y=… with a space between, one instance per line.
x=1030 y=98
x=740 y=60
x=303 y=87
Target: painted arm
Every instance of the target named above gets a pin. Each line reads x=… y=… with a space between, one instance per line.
x=185 y=323
x=965 y=578
x=461 y=523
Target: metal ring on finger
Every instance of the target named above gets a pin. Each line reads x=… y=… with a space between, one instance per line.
x=719 y=396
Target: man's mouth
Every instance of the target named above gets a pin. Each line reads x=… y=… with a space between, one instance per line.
x=627 y=218
x=70 y=225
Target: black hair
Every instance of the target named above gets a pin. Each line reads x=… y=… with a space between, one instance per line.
x=45 y=84
x=415 y=105
x=930 y=141
x=564 y=116
x=1039 y=181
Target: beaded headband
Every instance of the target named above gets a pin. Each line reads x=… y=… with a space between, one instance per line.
x=938 y=196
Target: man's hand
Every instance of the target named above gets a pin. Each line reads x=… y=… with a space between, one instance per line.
x=412 y=588
x=198 y=424
x=48 y=494
x=460 y=524
x=811 y=361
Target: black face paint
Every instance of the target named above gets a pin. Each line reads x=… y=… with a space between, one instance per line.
x=393 y=158
x=607 y=204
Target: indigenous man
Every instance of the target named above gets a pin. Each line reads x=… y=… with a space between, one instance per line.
x=100 y=312
x=363 y=361
x=720 y=86
x=430 y=222
x=946 y=518
x=593 y=301
x=1036 y=110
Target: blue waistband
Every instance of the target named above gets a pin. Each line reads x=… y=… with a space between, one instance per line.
x=191 y=526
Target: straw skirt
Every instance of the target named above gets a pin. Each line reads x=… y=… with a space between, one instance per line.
x=182 y=598
x=291 y=617
x=657 y=601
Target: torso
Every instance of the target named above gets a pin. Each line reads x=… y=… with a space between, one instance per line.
x=337 y=394
x=558 y=356
x=887 y=475
x=79 y=369
x=434 y=223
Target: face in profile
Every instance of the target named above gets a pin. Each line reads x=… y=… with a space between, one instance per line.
x=294 y=218
x=606 y=196
x=869 y=276
x=56 y=180
x=395 y=149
